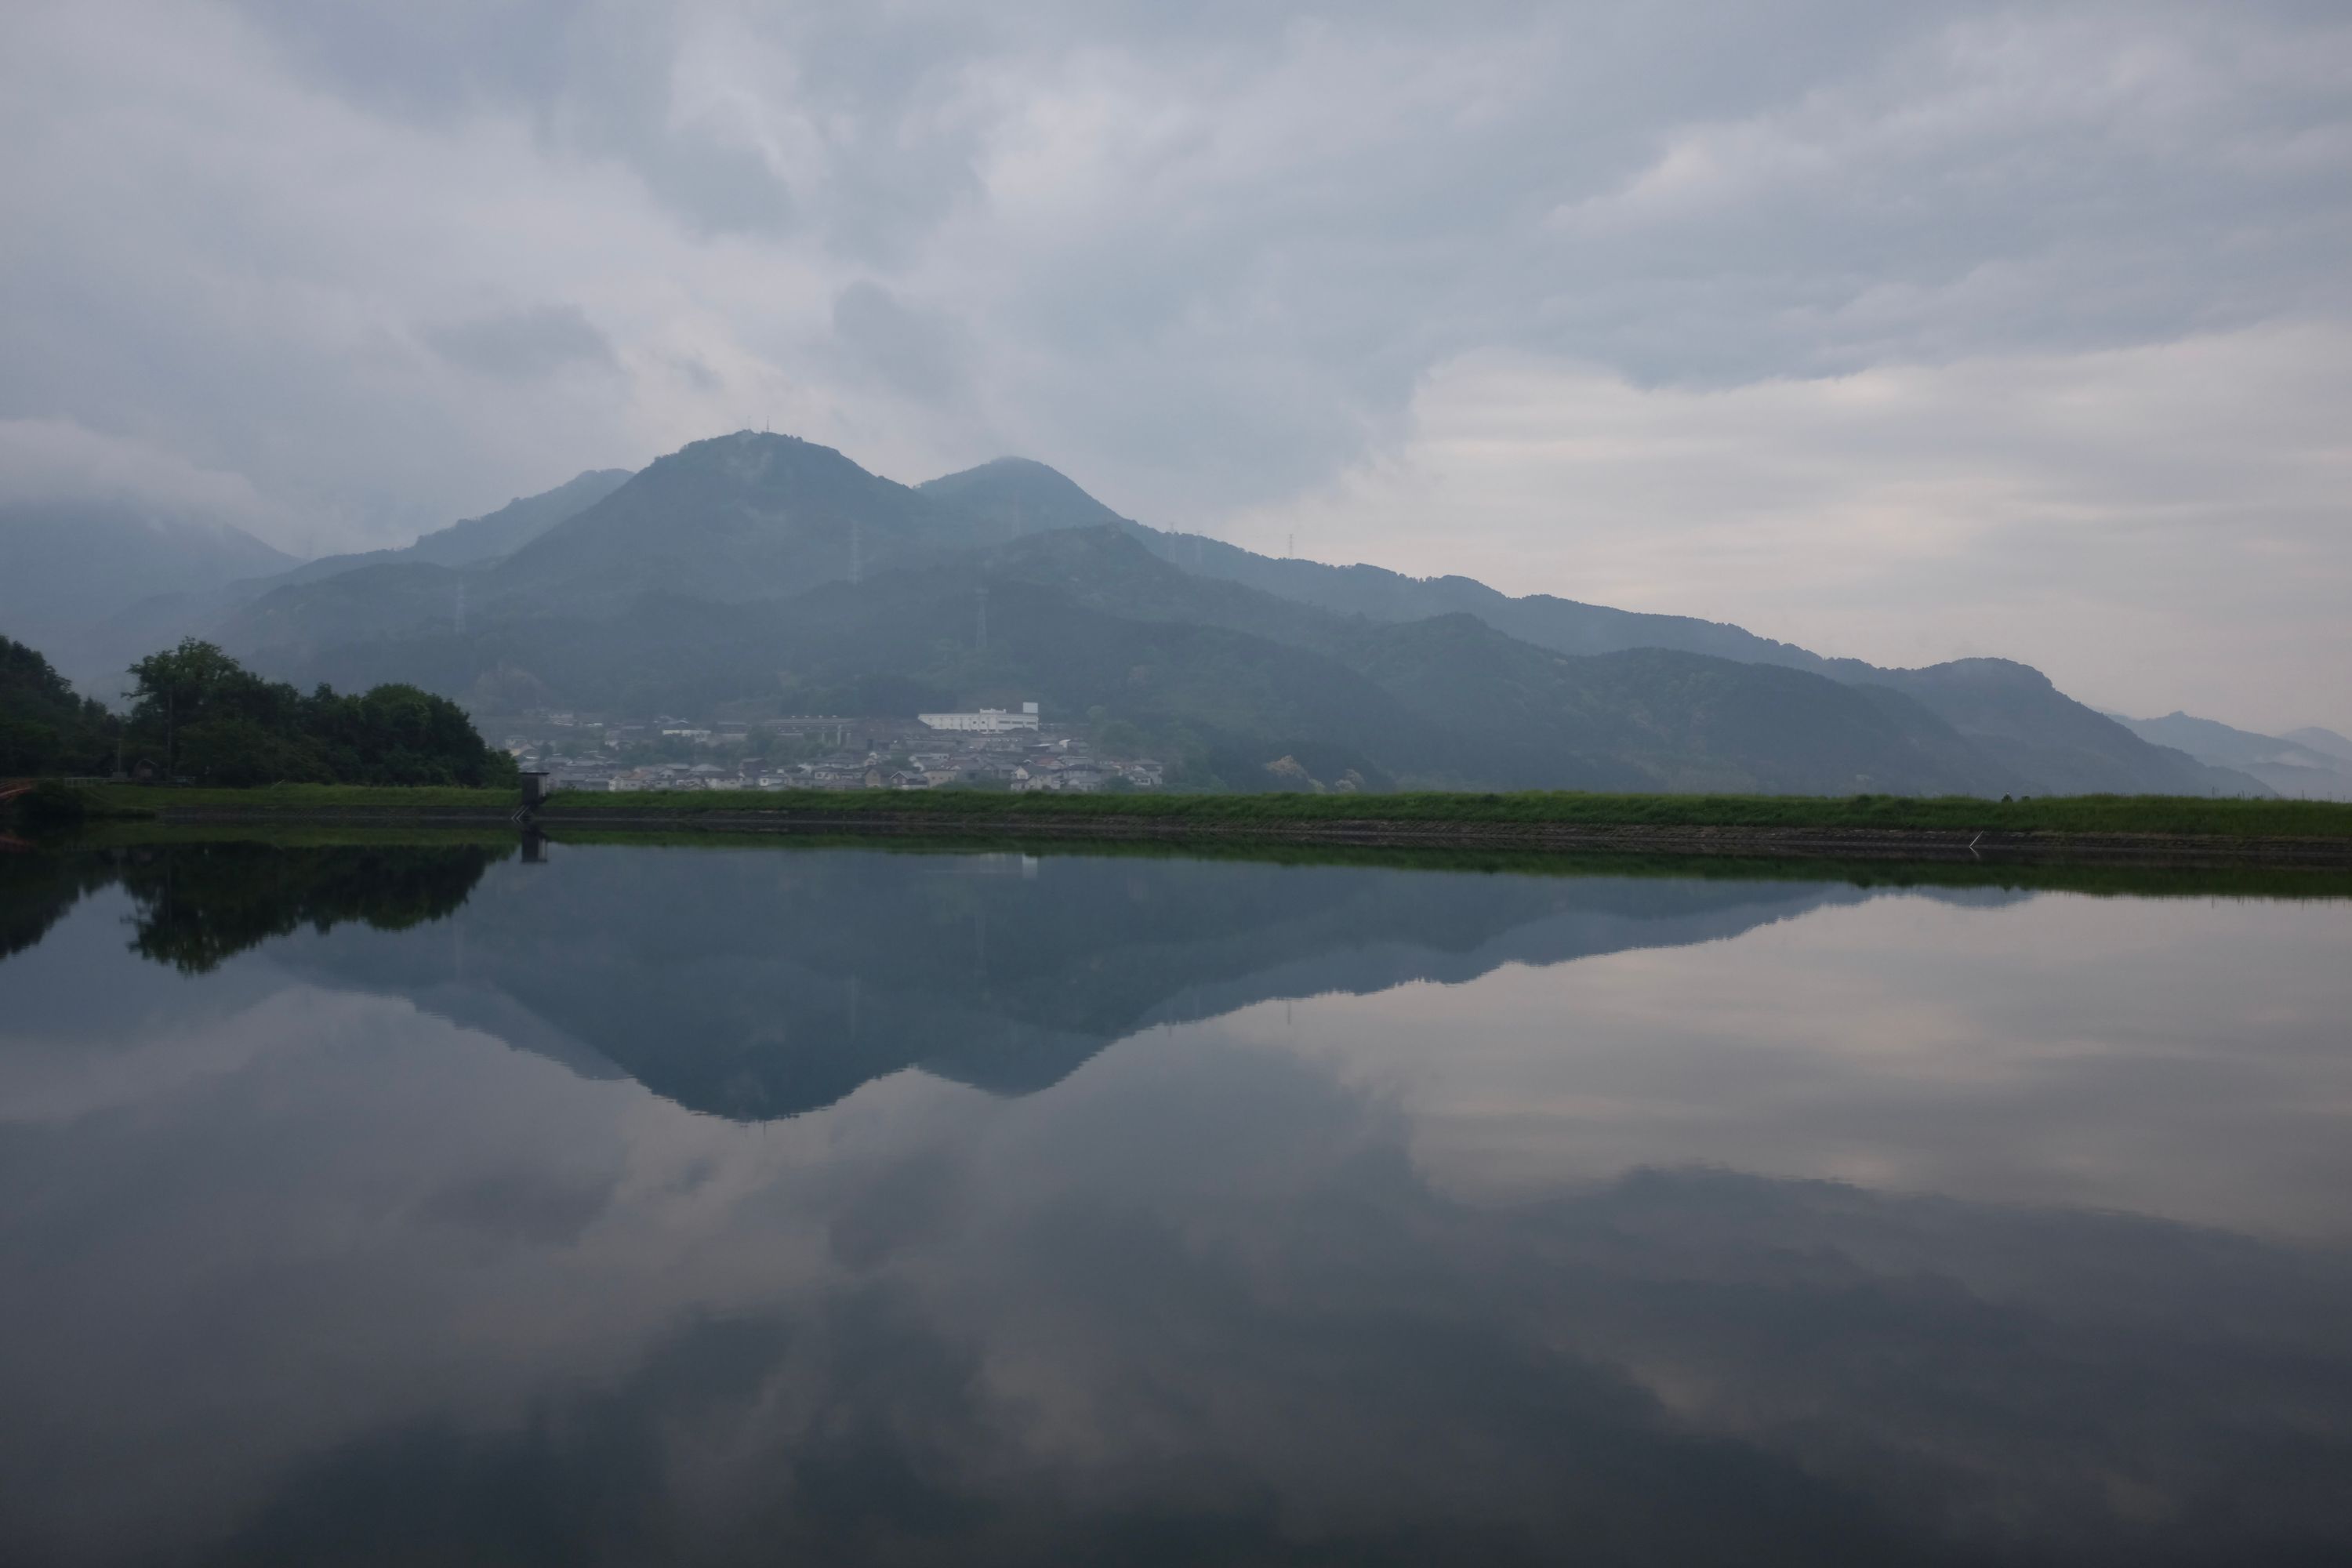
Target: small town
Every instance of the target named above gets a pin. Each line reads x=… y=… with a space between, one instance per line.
x=1011 y=749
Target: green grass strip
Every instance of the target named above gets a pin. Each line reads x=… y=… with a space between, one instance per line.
x=2155 y=814
x=2168 y=816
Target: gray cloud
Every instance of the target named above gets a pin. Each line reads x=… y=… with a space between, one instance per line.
x=48 y=461
x=521 y=346
x=1208 y=260
x=908 y=350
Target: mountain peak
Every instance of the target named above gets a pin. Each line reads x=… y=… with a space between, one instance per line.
x=1018 y=467
x=1008 y=497
x=1985 y=671
x=1007 y=466
x=751 y=514
x=756 y=450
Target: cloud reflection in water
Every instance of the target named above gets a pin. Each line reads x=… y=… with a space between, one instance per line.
x=1532 y=1265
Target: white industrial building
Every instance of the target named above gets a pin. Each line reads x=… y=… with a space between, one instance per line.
x=987 y=722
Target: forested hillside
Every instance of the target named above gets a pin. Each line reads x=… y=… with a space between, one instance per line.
x=762 y=568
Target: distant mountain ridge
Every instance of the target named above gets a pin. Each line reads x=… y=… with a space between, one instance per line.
x=1015 y=495
x=95 y=631
x=753 y=567
x=2292 y=766
x=2040 y=738
x=473 y=539
x=66 y=569
x=2326 y=742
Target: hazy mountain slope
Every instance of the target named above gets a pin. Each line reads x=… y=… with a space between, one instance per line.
x=910 y=640
x=213 y=611
x=741 y=517
x=65 y=571
x=1524 y=715
x=1013 y=496
x=1688 y=722
x=517 y=523
x=2027 y=733
x=2326 y=742
x=367 y=603
x=1087 y=620
x=473 y=539
x=721 y=573
x=2211 y=740
x=2287 y=766
x=1682 y=720
x=2029 y=726
x=1563 y=626
x=1004 y=499
x=747 y=516
x=1109 y=568
x=1245 y=700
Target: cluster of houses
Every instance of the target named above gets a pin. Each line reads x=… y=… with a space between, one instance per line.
x=991 y=749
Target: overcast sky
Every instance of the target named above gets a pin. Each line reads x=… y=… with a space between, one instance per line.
x=1900 y=330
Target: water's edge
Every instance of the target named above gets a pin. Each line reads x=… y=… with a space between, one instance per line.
x=1798 y=843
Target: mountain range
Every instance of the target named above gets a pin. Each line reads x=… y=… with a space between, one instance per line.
x=764 y=572
x=2310 y=763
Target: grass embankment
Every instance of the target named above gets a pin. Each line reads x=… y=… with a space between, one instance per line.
x=2243 y=881
x=291 y=833
x=2163 y=815
x=147 y=800
x=2155 y=814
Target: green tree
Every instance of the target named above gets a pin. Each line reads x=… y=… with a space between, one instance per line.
x=181 y=692
x=198 y=713
x=45 y=728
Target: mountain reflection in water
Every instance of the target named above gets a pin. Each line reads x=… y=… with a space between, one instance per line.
x=422 y=1204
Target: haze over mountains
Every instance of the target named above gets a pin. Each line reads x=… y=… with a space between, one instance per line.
x=67 y=570
x=754 y=570
x=477 y=539
x=2311 y=764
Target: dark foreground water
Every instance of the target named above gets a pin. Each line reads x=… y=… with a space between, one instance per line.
x=768 y=1205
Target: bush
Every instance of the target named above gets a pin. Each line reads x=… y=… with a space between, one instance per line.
x=51 y=803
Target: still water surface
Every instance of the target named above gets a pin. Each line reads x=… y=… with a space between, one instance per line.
x=836 y=1206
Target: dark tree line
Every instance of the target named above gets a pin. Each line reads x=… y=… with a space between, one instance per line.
x=199 y=715
x=45 y=728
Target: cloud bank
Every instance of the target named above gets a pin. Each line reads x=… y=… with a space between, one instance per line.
x=1900 y=330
